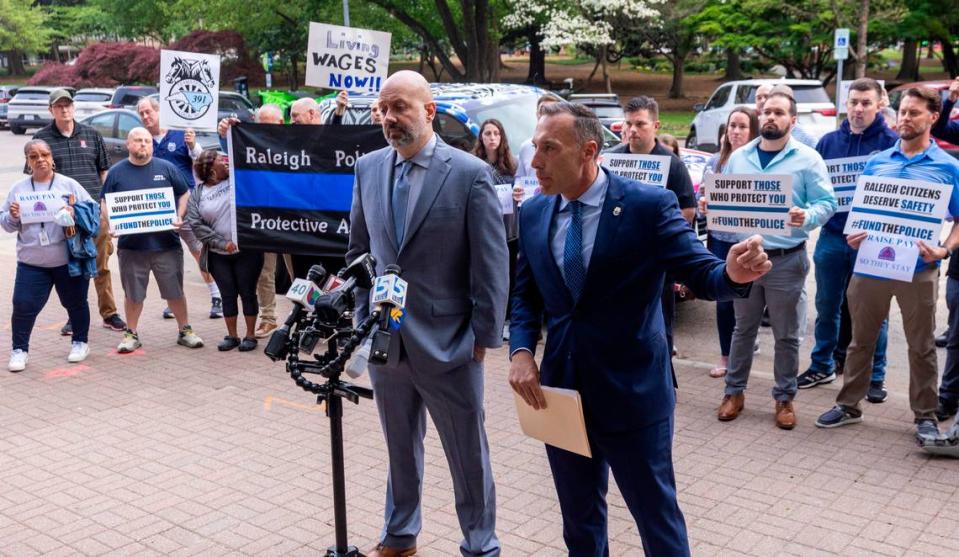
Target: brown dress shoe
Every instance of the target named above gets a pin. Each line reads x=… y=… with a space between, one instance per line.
x=731 y=406
x=385 y=551
x=785 y=415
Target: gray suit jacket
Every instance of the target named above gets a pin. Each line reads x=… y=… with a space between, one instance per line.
x=454 y=255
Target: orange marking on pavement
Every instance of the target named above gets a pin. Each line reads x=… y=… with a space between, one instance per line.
x=137 y=352
x=311 y=408
x=65 y=371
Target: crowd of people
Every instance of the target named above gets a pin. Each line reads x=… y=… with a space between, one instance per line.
x=521 y=267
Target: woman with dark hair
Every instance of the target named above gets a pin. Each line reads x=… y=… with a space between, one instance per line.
x=742 y=126
x=493 y=147
x=210 y=214
x=43 y=260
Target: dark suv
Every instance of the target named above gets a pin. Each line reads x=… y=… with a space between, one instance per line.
x=6 y=93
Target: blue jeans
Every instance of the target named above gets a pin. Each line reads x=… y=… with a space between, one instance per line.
x=949 y=389
x=835 y=261
x=31 y=290
x=725 y=314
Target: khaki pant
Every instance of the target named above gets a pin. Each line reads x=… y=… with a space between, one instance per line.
x=103 y=282
x=869 y=301
x=266 y=286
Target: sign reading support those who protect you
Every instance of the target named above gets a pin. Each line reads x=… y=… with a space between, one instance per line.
x=39 y=206
x=189 y=90
x=347 y=58
x=652 y=170
x=844 y=173
x=141 y=211
x=749 y=203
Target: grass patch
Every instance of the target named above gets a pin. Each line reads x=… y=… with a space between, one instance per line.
x=565 y=61
x=676 y=123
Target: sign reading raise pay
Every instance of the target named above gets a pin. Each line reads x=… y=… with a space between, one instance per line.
x=749 y=203
x=141 y=211
x=347 y=58
x=39 y=206
x=652 y=170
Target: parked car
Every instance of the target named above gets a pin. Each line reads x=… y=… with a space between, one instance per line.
x=6 y=93
x=230 y=105
x=606 y=107
x=895 y=97
x=90 y=101
x=114 y=125
x=127 y=96
x=817 y=112
x=30 y=108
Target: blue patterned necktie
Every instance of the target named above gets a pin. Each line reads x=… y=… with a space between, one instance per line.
x=573 y=265
x=401 y=200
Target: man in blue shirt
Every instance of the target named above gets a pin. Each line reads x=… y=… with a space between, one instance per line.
x=914 y=157
x=783 y=289
x=863 y=133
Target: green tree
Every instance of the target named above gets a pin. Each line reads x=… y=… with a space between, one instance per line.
x=22 y=30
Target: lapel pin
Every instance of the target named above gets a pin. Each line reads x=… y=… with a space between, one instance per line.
x=617 y=211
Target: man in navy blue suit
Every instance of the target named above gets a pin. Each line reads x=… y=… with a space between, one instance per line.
x=594 y=250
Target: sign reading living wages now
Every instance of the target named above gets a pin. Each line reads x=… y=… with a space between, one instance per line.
x=140 y=211
x=652 y=170
x=347 y=58
x=189 y=90
x=39 y=206
x=749 y=203
x=844 y=173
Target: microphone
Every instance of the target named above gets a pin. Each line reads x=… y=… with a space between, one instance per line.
x=389 y=295
x=303 y=293
x=362 y=269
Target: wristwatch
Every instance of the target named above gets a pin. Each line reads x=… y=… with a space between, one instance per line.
x=949 y=252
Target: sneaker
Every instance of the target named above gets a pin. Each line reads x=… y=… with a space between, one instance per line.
x=78 y=352
x=188 y=338
x=942 y=340
x=877 y=392
x=114 y=323
x=248 y=344
x=18 y=360
x=168 y=313
x=216 y=308
x=926 y=430
x=130 y=342
x=265 y=329
x=67 y=329
x=838 y=416
x=812 y=378
x=945 y=410
x=228 y=343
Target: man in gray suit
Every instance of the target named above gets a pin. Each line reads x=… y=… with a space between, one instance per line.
x=432 y=210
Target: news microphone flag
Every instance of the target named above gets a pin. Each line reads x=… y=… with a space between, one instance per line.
x=303 y=292
x=389 y=289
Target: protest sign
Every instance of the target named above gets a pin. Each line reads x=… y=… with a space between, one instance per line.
x=39 y=206
x=749 y=203
x=530 y=187
x=844 y=173
x=652 y=170
x=347 y=58
x=505 y=194
x=293 y=185
x=888 y=258
x=141 y=211
x=189 y=90
x=898 y=208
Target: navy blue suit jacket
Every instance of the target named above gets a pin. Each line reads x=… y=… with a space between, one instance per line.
x=611 y=345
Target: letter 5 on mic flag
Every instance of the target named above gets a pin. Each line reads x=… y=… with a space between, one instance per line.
x=293 y=185
x=189 y=90
x=389 y=289
x=749 y=203
x=347 y=58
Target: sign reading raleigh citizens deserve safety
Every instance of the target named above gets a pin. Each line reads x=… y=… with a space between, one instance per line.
x=652 y=170
x=189 y=90
x=749 y=203
x=844 y=173
x=898 y=208
x=293 y=185
x=347 y=58
x=39 y=206
x=140 y=211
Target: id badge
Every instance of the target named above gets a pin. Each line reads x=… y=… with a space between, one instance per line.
x=44 y=239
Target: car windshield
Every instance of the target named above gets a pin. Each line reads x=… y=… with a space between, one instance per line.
x=232 y=104
x=518 y=117
x=608 y=111
x=803 y=94
x=32 y=95
x=92 y=97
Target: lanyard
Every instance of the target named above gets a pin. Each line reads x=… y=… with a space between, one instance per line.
x=34 y=188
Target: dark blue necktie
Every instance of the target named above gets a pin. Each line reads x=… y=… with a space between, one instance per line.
x=574 y=268
x=401 y=200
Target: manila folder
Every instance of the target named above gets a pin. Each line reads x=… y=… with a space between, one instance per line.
x=560 y=424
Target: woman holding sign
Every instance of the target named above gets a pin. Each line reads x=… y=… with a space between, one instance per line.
x=210 y=214
x=31 y=209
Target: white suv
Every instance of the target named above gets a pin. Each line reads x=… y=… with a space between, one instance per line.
x=817 y=113
x=30 y=108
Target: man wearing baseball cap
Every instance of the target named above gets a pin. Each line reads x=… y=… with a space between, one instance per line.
x=79 y=152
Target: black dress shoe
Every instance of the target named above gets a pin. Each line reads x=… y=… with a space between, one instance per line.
x=876 y=393
x=942 y=339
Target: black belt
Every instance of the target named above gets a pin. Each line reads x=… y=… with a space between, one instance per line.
x=786 y=251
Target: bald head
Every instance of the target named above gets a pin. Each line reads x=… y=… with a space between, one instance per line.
x=269 y=114
x=407 y=110
x=140 y=146
x=305 y=111
x=762 y=93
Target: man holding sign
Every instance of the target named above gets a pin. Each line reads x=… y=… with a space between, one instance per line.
x=141 y=253
x=845 y=150
x=901 y=209
x=776 y=154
